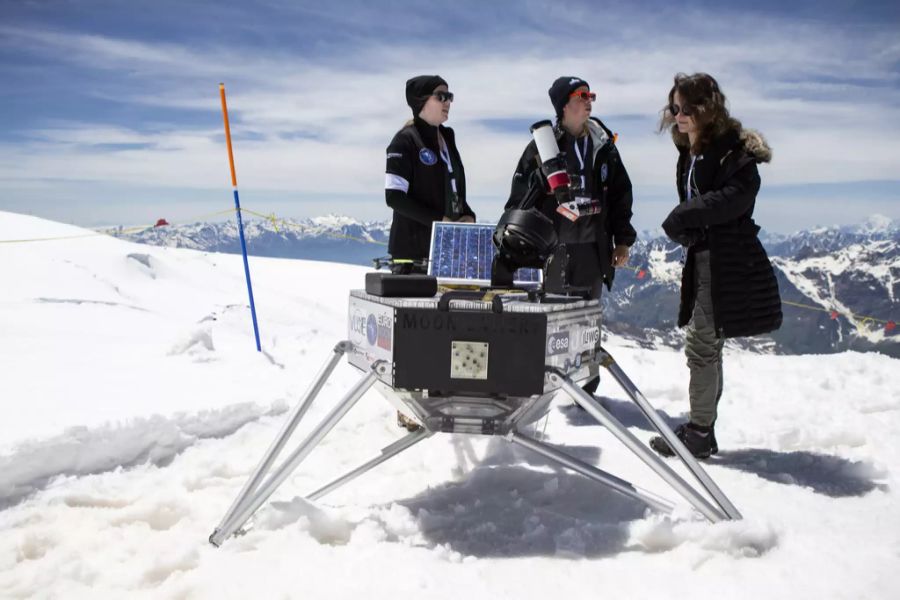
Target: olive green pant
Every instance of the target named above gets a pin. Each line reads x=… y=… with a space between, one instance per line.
x=703 y=349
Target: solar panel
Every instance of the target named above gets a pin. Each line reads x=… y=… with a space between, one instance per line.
x=463 y=252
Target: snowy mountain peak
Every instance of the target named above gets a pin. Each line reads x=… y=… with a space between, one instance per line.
x=878 y=222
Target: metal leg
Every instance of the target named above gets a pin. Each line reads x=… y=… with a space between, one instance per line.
x=387 y=452
x=619 y=485
x=281 y=473
x=632 y=443
x=677 y=446
x=286 y=430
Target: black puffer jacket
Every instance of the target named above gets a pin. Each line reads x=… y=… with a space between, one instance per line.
x=610 y=184
x=719 y=216
x=424 y=174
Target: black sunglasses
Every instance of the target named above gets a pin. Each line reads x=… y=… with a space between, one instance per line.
x=443 y=96
x=687 y=110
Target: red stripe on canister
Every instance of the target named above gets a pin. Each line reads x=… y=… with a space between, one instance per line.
x=557 y=179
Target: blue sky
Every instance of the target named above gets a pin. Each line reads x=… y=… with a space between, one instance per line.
x=109 y=111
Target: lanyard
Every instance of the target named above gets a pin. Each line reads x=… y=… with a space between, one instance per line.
x=445 y=156
x=690 y=176
x=581 y=154
x=453 y=207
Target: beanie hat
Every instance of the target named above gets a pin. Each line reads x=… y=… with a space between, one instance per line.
x=419 y=88
x=560 y=90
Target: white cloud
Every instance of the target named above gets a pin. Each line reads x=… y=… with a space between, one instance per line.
x=826 y=99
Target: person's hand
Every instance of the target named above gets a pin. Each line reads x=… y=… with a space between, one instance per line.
x=678 y=233
x=688 y=237
x=620 y=256
x=466 y=219
x=672 y=226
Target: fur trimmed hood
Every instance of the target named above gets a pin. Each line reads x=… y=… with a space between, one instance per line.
x=756 y=145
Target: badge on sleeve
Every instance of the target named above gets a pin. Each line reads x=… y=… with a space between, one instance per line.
x=427 y=157
x=604 y=171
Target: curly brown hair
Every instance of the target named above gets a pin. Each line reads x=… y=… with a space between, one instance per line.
x=701 y=92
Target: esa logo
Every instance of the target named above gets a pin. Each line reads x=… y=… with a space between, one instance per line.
x=558 y=343
x=385 y=328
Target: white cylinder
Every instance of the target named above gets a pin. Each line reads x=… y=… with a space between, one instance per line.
x=545 y=140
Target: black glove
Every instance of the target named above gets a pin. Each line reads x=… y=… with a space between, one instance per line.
x=688 y=237
x=677 y=233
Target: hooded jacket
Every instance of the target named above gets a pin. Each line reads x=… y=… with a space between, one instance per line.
x=417 y=186
x=609 y=183
x=719 y=217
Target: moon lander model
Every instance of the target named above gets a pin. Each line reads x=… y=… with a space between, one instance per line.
x=484 y=361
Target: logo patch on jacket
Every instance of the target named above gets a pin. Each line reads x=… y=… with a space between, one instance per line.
x=427 y=157
x=604 y=171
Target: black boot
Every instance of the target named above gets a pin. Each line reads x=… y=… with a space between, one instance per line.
x=696 y=438
x=590 y=387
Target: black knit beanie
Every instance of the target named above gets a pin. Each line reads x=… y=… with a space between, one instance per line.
x=419 y=88
x=560 y=90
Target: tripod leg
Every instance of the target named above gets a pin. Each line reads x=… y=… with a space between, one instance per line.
x=267 y=488
x=632 y=443
x=674 y=443
x=591 y=472
x=286 y=430
x=387 y=452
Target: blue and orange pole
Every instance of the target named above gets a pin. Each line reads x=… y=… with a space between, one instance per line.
x=237 y=210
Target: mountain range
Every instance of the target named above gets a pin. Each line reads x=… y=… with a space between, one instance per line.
x=840 y=285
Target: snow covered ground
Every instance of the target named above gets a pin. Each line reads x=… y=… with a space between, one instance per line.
x=134 y=406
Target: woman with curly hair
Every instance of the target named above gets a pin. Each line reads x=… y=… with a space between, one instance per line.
x=728 y=286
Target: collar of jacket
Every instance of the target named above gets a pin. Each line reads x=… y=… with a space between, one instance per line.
x=600 y=135
x=429 y=132
x=744 y=141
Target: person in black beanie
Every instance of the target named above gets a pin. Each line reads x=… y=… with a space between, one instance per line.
x=424 y=178
x=599 y=240
x=599 y=237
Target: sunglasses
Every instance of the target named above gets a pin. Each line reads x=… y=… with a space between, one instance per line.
x=584 y=96
x=443 y=96
x=687 y=110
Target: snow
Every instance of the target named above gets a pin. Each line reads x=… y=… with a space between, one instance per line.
x=135 y=407
x=872 y=260
x=878 y=222
x=661 y=268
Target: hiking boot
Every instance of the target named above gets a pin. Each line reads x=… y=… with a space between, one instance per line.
x=590 y=388
x=409 y=424
x=696 y=438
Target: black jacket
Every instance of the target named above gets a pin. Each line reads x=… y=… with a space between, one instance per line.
x=719 y=217
x=609 y=182
x=414 y=161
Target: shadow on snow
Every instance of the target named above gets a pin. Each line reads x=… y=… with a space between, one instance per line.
x=824 y=474
x=515 y=503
